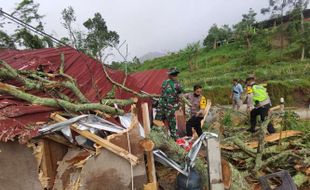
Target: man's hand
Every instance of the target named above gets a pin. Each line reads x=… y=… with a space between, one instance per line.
x=200 y=113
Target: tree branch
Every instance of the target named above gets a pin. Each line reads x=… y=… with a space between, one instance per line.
x=8 y=72
x=58 y=103
x=122 y=86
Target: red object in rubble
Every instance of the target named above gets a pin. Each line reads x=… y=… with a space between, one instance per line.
x=184 y=143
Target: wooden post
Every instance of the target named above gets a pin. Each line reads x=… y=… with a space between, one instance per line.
x=100 y=141
x=214 y=164
x=149 y=154
x=52 y=152
x=206 y=112
x=282 y=126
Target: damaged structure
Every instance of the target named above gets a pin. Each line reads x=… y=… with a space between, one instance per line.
x=45 y=144
x=69 y=122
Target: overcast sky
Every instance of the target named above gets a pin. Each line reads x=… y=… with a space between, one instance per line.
x=148 y=25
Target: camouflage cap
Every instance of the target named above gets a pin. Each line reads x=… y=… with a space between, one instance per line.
x=173 y=71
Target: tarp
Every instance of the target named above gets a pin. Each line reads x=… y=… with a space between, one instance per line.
x=17 y=115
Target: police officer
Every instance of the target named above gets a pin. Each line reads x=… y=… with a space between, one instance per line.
x=261 y=103
x=169 y=101
x=198 y=102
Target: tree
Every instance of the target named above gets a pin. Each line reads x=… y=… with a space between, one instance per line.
x=212 y=37
x=293 y=7
x=69 y=18
x=99 y=37
x=136 y=61
x=277 y=8
x=217 y=35
x=245 y=29
x=5 y=40
x=226 y=33
x=299 y=7
x=191 y=51
x=27 y=11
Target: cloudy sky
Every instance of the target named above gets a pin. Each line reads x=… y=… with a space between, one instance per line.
x=148 y=25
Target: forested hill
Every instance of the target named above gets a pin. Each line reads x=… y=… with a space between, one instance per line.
x=277 y=55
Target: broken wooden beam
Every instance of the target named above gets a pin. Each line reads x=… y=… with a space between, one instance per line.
x=269 y=138
x=274 y=137
x=214 y=164
x=147 y=145
x=149 y=154
x=100 y=141
x=206 y=112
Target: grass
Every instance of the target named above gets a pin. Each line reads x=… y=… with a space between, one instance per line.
x=214 y=70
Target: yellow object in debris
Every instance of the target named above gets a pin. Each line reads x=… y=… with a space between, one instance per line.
x=203 y=103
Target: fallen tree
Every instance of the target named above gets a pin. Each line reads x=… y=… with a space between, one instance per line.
x=58 y=103
x=259 y=154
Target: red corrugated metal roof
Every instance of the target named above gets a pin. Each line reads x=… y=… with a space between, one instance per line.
x=16 y=115
x=150 y=81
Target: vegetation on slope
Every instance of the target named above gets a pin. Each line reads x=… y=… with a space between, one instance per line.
x=214 y=67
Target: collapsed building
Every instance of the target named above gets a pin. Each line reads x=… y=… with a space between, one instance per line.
x=69 y=122
x=31 y=160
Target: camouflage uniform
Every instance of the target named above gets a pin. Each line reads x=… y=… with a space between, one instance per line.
x=169 y=102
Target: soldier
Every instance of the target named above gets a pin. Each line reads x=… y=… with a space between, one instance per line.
x=169 y=101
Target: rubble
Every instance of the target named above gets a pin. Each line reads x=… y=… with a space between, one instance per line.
x=82 y=140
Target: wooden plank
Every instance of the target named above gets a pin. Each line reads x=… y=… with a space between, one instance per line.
x=100 y=141
x=206 y=112
x=180 y=122
x=151 y=171
x=214 y=165
x=60 y=139
x=227 y=174
x=158 y=123
x=270 y=138
x=52 y=153
x=275 y=108
x=276 y=136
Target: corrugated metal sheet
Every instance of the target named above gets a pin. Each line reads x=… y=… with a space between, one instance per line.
x=16 y=116
x=150 y=81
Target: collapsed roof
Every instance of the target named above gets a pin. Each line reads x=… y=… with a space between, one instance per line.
x=19 y=118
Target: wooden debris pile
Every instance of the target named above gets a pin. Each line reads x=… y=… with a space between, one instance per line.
x=74 y=156
x=260 y=154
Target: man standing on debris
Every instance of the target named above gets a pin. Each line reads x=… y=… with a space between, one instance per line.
x=262 y=104
x=198 y=103
x=169 y=101
x=236 y=94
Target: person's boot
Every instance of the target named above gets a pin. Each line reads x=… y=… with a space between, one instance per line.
x=270 y=128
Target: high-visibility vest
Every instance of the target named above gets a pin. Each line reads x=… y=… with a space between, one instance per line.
x=259 y=93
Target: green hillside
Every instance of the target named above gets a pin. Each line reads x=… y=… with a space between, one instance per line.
x=214 y=69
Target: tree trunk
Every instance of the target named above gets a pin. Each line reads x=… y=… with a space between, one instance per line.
x=248 y=42
x=40 y=83
x=214 y=44
x=302 y=34
x=58 y=103
x=119 y=102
